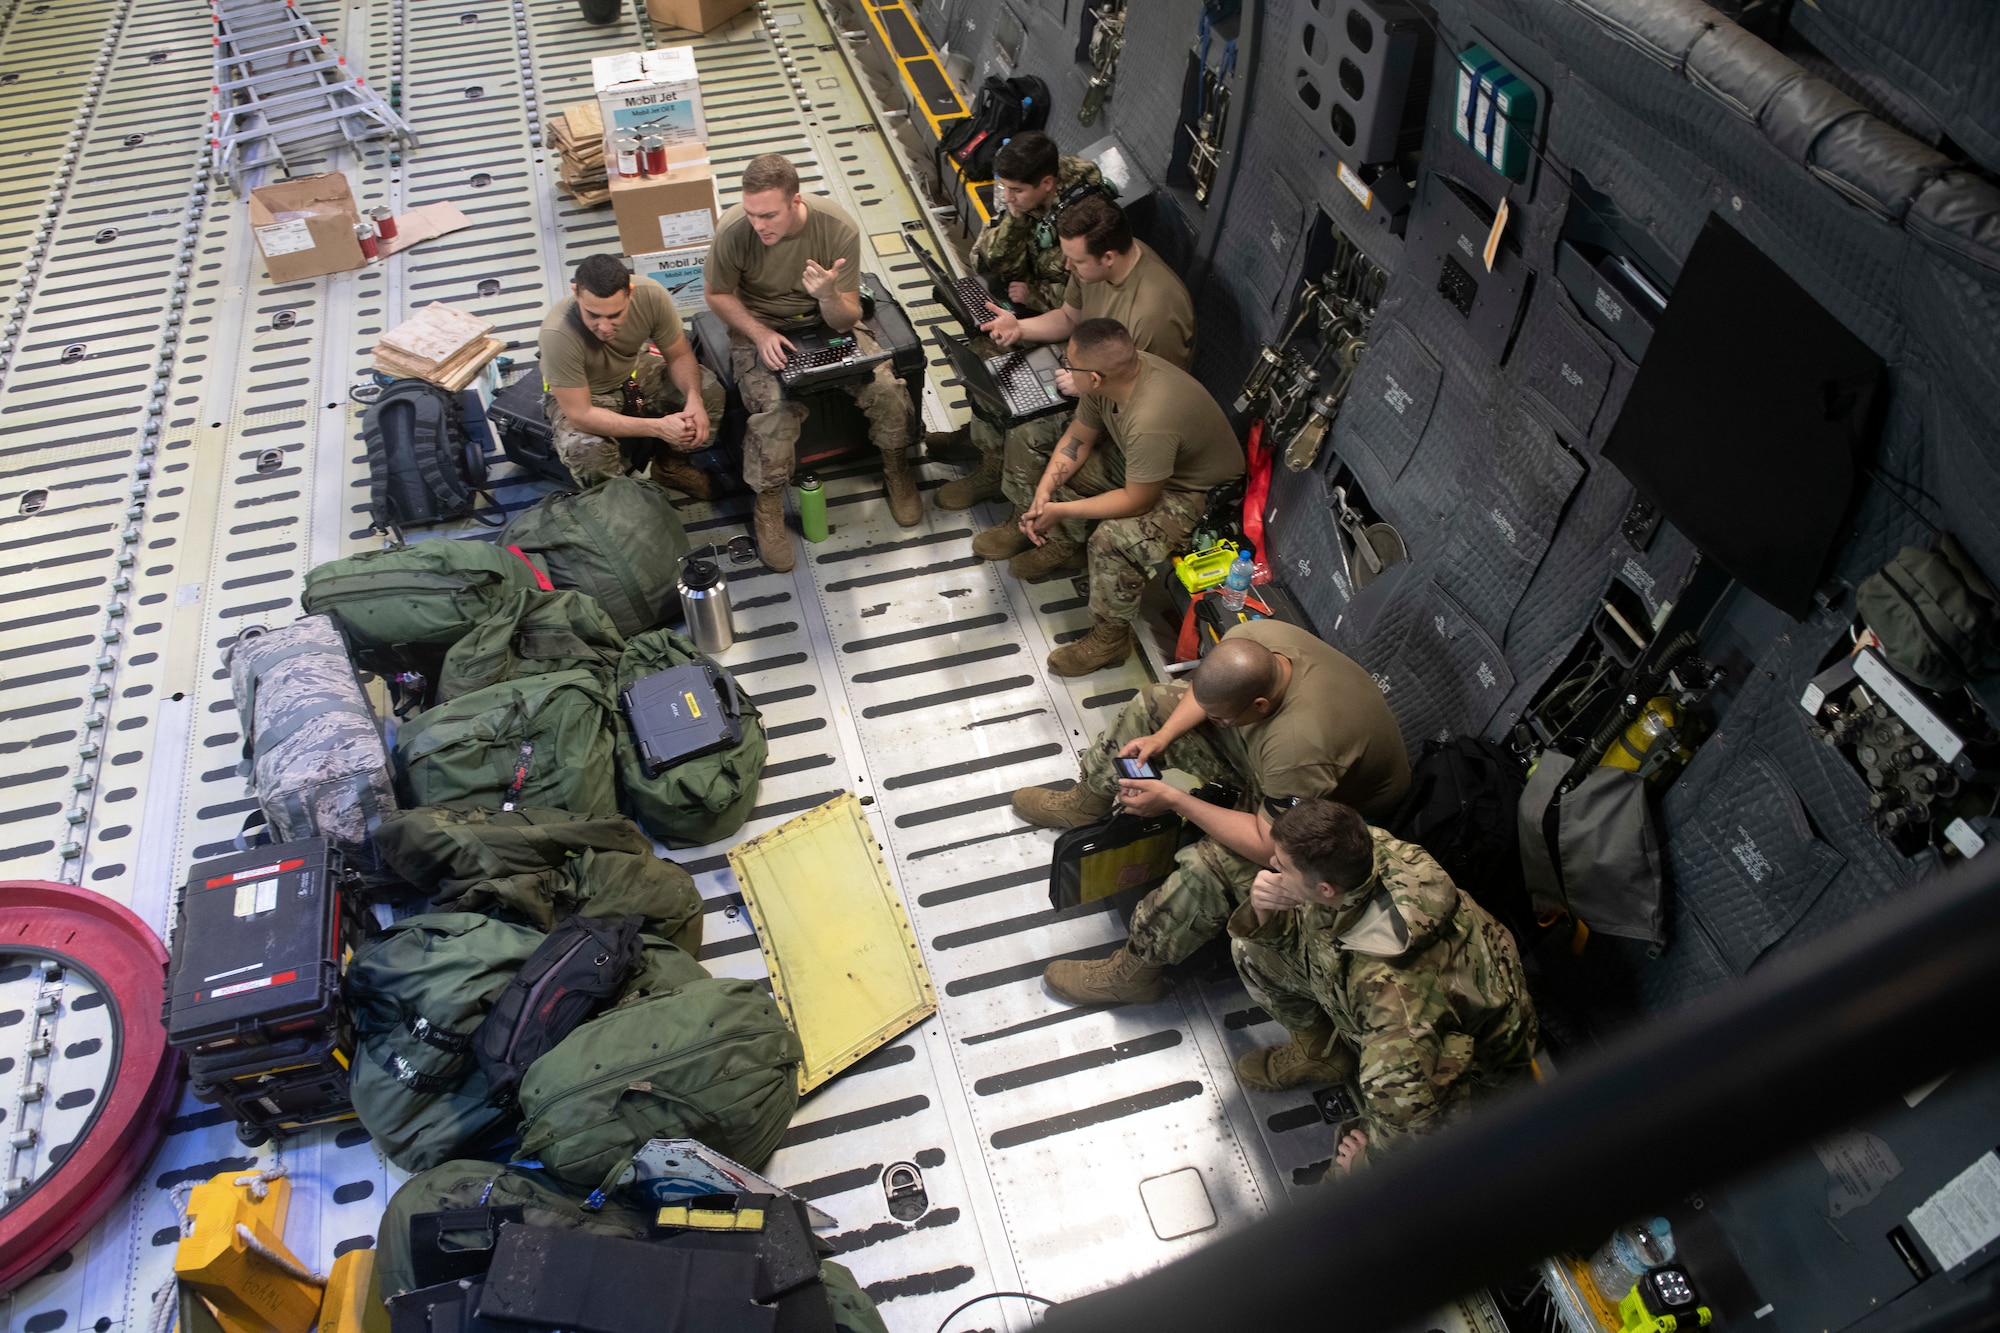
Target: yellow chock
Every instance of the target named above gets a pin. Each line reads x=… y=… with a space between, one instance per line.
x=235 y=1257
x=353 y=1296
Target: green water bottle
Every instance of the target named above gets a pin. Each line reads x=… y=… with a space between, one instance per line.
x=812 y=509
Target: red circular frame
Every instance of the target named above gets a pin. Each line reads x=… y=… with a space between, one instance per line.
x=129 y=961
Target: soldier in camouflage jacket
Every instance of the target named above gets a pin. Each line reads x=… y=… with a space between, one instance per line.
x=1019 y=247
x=1397 y=985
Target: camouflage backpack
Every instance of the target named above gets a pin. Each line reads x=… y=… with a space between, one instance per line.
x=528 y=634
x=402 y=607
x=704 y=799
x=311 y=749
x=417 y=993
x=539 y=866
x=465 y=1186
x=710 y=1060
x=621 y=541
x=540 y=740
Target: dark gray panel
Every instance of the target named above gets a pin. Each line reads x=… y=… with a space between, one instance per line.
x=1509 y=518
x=1395 y=387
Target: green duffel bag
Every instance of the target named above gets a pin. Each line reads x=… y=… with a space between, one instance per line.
x=530 y=634
x=711 y=1060
x=456 y=1185
x=402 y=607
x=462 y=841
x=621 y=541
x=707 y=798
x=663 y=967
x=540 y=740
x=1937 y=615
x=417 y=992
x=468 y=1185
x=594 y=884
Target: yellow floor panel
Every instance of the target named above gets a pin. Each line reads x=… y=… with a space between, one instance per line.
x=845 y=965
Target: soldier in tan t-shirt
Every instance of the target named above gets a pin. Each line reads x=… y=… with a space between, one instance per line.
x=1271 y=710
x=602 y=386
x=1125 y=487
x=782 y=260
x=1113 y=275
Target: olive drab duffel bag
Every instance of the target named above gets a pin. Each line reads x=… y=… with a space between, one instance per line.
x=540 y=740
x=530 y=634
x=1936 y=614
x=711 y=1060
x=417 y=994
x=311 y=750
x=621 y=542
x=471 y=1192
x=402 y=607
x=708 y=797
x=539 y=866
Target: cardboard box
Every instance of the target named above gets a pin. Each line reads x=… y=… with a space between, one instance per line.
x=671 y=212
x=649 y=92
x=305 y=226
x=680 y=272
x=695 y=15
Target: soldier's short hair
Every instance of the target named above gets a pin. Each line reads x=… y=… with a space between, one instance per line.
x=1328 y=841
x=770 y=171
x=1105 y=342
x=1101 y=223
x=603 y=275
x=1237 y=672
x=1029 y=158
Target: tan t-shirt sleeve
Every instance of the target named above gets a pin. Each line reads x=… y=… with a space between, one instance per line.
x=845 y=243
x=666 y=325
x=562 y=360
x=722 y=271
x=1073 y=294
x=1090 y=410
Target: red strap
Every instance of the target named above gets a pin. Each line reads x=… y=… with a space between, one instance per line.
x=541 y=579
x=1188 y=647
x=1258 y=492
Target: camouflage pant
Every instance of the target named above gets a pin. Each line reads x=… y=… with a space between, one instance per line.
x=1209 y=881
x=591 y=458
x=771 y=437
x=1024 y=452
x=1123 y=552
x=1281 y=980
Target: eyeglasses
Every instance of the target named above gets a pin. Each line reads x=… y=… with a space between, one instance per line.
x=1062 y=359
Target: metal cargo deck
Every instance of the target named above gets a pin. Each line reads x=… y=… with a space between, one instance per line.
x=148 y=368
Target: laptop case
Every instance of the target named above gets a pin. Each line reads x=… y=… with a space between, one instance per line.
x=682 y=712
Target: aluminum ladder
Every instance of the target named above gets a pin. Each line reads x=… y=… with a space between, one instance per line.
x=282 y=90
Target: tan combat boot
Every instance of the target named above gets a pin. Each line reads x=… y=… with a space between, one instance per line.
x=1295 y=1064
x=905 y=505
x=1004 y=540
x=1123 y=978
x=1054 y=557
x=952 y=446
x=677 y=473
x=1108 y=643
x=774 y=544
x=1045 y=807
x=969 y=491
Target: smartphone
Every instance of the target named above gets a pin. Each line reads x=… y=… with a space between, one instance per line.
x=1138 y=770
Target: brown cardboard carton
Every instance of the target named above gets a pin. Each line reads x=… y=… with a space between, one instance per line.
x=667 y=212
x=654 y=92
x=695 y=15
x=305 y=226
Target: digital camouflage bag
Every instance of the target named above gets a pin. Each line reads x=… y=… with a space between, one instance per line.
x=540 y=740
x=1937 y=615
x=402 y=607
x=417 y=993
x=529 y=634
x=711 y=1060
x=470 y=1188
x=621 y=542
x=311 y=747
x=539 y=866
x=707 y=798
x=576 y=970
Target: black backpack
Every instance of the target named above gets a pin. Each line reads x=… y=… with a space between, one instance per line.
x=1461 y=808
x=422 y=466
x=567 y=979
x=1005 y=108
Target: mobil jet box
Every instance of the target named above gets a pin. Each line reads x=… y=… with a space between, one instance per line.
x=648 y=92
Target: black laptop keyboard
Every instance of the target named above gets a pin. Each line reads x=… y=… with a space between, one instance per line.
x=1027 y=389
x=813 y=367
x=972 y=294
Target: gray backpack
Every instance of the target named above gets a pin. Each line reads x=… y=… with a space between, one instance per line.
x=311 y=748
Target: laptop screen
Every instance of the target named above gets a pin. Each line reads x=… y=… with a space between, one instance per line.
x=972 y=372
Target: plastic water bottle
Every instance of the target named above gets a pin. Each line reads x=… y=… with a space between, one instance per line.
x=1237 y=586
x=1624 y=1259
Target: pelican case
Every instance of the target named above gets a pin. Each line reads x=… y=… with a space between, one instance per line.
x=257 y=947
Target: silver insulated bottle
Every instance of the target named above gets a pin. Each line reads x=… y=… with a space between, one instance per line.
x=705 y=603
